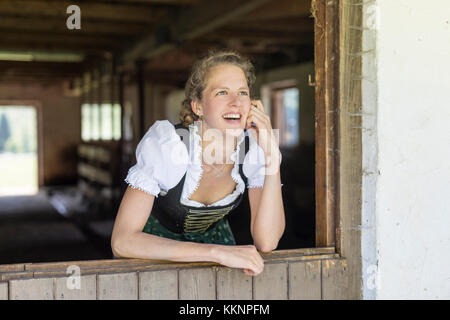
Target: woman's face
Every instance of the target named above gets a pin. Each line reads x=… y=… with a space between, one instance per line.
x=226 y=99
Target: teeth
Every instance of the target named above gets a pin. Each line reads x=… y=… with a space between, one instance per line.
x=232 y=116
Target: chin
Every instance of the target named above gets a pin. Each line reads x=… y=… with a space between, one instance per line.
x=234 y=132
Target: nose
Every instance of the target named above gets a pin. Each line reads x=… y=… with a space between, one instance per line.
x=235 y=100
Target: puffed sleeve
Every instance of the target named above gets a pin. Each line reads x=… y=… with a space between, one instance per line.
x=254 y=164
x=161 y=160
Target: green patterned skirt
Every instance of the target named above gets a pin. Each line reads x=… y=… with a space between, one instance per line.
x=220 y=234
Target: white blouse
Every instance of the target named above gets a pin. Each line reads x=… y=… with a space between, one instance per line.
x=162 y=159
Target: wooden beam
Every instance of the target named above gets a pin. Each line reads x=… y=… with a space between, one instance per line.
x=261 y=35
x=201 y=19
x=211 y=15
x=141 y=98
x=89 y=10
x=322 y=235
x=87 y=49
x=287 y=24
x=351 y=172
x=62 y=41
x=327 y=120
x=281 y=9
x=58 y=25
x=10 y=70
x=165 y=2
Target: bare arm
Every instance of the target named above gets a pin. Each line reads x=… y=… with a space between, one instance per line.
x=266 y=204
x=129 y=241
x=267 y=211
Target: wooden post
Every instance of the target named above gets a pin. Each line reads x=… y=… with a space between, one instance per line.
x=141 y=97
x=350 y=195
x=326 y=29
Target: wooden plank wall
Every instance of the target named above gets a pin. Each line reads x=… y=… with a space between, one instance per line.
x=289 y=276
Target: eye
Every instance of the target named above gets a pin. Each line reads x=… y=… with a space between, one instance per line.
x=221 y=93
x=243 y=93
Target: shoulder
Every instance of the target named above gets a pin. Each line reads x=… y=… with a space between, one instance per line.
x=162 y=142
x=161 y=135
x=161 y=158
x=161 y=130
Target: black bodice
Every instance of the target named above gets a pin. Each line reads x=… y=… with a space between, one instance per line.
x=180 y=218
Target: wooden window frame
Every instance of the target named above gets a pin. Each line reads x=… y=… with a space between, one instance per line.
x=338 y=35
x=326 y=59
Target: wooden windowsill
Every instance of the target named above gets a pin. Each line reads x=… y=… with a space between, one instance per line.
x=59 y=269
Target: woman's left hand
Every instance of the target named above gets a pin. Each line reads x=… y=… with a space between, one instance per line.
x=262 y=130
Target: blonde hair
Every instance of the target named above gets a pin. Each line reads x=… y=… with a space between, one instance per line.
x=196 y=82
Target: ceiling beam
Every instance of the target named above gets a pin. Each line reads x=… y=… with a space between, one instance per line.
x=288 y=24
x=15 y=69
x=165 y=2
x=196 y=22
x=57 y=25
x=87 y=49
x=60 y=41
x=89 y=10
x=225 y=35
x=281 y=9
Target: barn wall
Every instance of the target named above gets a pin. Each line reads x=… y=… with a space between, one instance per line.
x=412 y=211
x=61 y=132
x=155 y=100
x=288 y=275
x=299 y=74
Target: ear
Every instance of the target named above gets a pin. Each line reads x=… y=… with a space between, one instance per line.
x=196 y=107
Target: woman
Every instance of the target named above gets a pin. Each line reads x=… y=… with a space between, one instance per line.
x=183 y=186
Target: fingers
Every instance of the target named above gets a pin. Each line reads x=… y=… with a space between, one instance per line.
x=252 y=272
x=257 y=104
x=257 y=262
x=245 y=257
x=257 y=112
x=248 y=272
x=259 y=118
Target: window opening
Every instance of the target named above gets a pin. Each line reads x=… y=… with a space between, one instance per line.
x=18 y=150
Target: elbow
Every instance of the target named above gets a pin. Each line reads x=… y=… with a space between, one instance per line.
x=266 y=244
x=266 y=247
x=117 y=247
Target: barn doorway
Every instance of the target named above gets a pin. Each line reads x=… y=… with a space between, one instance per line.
x=18 y=150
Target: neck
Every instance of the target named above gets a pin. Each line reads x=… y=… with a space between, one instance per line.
x=217 y=148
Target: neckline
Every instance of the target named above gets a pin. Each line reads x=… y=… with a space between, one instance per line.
x=195 y=171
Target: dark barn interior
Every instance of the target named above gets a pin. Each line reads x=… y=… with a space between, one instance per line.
x=97 y=89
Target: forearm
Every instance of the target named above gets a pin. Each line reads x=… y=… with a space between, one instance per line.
x=269 y=223
x=147 y=246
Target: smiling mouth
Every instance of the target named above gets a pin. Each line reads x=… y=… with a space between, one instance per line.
x=232 y=116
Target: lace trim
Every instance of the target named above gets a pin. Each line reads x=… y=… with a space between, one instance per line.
x=235 y=172
x=138 y=181
x=255 y=186
x=259 y=186
x=195 y=173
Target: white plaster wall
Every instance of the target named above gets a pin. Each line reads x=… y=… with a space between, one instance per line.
x=413 y=140
x=369 y=149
